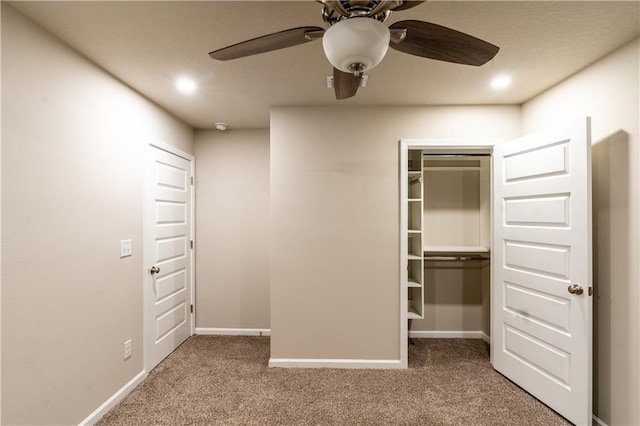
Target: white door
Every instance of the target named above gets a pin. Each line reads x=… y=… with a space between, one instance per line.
x=168 y=254
x=541 y=325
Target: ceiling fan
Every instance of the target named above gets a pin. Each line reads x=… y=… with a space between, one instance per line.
x=357 y=40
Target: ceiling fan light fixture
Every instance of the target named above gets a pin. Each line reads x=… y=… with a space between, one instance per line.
x=356 y=45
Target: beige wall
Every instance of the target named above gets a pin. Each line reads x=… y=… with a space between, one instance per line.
x=73 y=140
x=335 y=225
x=232 y=229
x=608 y=91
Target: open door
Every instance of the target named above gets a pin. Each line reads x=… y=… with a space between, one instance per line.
x=541 y=325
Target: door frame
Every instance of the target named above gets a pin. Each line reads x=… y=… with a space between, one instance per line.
x=146 y=244
x=405 y=145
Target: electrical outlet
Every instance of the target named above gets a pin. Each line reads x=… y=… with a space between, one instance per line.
x=127 y=349
x=126 y=248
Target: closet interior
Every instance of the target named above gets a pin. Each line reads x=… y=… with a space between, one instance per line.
x=448 y=236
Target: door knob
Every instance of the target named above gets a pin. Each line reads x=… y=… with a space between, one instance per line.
x=575 y=289
x=155 y=270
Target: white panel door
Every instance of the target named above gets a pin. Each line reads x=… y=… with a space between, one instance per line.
x=169 y=256
x=541 y=332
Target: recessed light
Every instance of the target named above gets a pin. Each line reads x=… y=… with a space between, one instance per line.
x=221 y=126
x=186 y=85
x=501 y=82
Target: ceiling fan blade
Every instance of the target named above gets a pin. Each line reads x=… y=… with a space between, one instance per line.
x=444 y=44
x=267 y=43
x=345 y=84
x=408 y=4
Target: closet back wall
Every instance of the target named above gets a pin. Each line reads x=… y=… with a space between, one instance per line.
x=335 y=221
x=232 y=231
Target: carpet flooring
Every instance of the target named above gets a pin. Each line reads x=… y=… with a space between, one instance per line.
x=224 y=380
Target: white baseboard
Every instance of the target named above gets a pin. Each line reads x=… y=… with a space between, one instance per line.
x=115 y=398
x=415 y=334
x=233 y=331
x=433 y=334
x=597 y=421
x=335 y=363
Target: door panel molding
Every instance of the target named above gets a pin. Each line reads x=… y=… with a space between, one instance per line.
x=542 y=334
x=176 y=254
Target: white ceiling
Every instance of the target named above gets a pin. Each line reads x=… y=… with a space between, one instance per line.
x=147 y=44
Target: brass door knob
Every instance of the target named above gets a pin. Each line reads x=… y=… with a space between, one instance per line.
x=575 y=289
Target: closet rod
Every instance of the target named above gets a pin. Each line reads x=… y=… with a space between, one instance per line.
x=455 y=258
x=455 y=155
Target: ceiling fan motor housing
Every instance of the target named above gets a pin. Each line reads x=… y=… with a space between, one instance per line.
x=356 y=44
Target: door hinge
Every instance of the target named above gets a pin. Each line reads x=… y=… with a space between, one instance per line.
x=191 y=308
x=191 y=180
x=191 y=244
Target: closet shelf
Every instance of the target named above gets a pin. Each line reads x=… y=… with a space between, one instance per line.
x=413 y=315
x=414 y=231
x=455 y=249
x=413 y=283
x=451 y=168
x=414 y=257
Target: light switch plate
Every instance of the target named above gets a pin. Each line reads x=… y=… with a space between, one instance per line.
x=126 y=248
x=127 y=349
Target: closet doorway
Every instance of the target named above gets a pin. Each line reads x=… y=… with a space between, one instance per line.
x=527 y=218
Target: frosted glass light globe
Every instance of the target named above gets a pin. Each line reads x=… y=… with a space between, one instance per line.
x=356 y=41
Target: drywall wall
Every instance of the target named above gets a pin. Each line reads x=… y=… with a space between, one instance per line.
x=232 y=231
x=609 y=91
x=73 y=140
x=335 y=224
